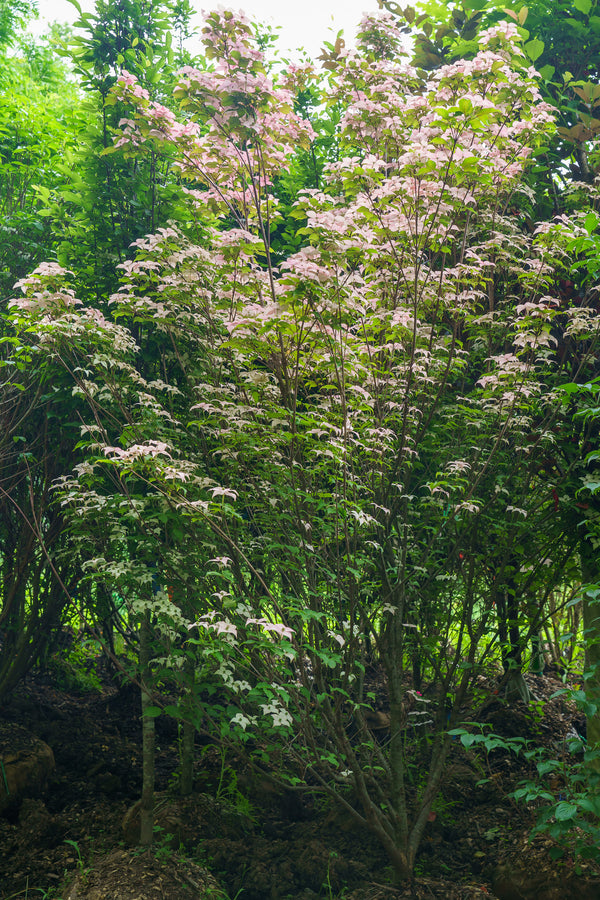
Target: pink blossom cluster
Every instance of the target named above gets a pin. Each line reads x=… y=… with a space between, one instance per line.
x=149 y=449
x=239 y=129
x=44 y=288
x=380 y=36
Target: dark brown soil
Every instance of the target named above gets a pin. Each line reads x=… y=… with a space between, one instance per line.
x=237 y=837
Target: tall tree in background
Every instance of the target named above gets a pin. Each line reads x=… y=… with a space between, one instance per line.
x=38 y=127
x=60 y=196
x=13 y=15
x=40 y=115
x=111 y=200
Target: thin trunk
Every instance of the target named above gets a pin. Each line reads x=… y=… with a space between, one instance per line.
x=537 y=656
x=147 y=802
x=187 y=759
x=507 y=608
x=591 y=632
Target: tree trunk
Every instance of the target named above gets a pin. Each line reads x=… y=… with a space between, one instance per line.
x=507 y=609
x=147 y=802
x=591 y=633
x=187 y=759
x=537 y=654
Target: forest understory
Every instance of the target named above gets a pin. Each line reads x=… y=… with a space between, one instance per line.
x=238 y=836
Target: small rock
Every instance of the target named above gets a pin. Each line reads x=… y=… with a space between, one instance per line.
x=27 y=763
x=513 y=882
x=108 y=783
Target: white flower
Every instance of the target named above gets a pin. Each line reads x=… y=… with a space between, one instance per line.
x=280 y=715
x=241 y=720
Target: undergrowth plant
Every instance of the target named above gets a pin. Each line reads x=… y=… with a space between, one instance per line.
x=566 y=796
x=74 y=669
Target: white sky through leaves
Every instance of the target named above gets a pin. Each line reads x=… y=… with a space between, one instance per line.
x=302 y=23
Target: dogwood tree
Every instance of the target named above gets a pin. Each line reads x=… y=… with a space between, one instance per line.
x=318 y=467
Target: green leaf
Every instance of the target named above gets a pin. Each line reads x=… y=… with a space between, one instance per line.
x=570 y=388
x=547 y=72
x=534 y=49
x=549 y=765
x=565 y=811
x=591 y=222
x=584 y=6
x=151 y=712
x=590 y=804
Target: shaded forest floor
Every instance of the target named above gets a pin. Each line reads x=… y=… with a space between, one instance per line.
x=237 y=837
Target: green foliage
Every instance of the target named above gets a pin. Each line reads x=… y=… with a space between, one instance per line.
x=123 y=35
x=162 y=846
x=14 y=14
x=74 y=669
x=80 y=860
x=228 y=789
x=487 y=741
x=35 y=576
x=37 y=129
x=586 y=250
x=566 y=794
x=103 y=203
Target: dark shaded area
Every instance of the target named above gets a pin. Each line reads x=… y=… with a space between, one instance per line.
x=237 y=833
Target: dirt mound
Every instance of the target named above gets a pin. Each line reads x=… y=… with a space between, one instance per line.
x=131 y=875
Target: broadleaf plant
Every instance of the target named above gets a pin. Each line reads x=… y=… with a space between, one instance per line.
x=329 y=462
